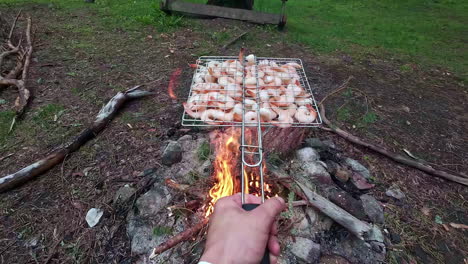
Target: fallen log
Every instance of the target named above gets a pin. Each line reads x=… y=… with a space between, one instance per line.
x=102 y=119
x=393 y=156
x=183 y=236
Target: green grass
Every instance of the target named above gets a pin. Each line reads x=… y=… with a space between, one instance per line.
x=427 y=32
x=129 y=15
x=5 y=121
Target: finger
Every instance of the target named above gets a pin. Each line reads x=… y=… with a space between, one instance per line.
x=252 y=199
x=274 y=246
x=226 y=202
x=270 y=209
x=273 y=259
x=274 y=229
x=237 y=198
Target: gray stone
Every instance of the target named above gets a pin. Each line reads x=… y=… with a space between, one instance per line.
x=150 y=203
x=315 y=170
x=396 y=193
x=307 y=155
x=306 y=224
x=372 y=208
x=124 y=193
x=172 y=153
x=355 y=250
x=358 y=167
x=319 y=144
x=342 y=174
x=360 y=182
x=185 y=138
x=306 y=250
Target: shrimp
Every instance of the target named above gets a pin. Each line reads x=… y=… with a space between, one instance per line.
x=296 y=90
x=294 y=64
x=205 y=87
x=264 y=96
x=272 y=81
x=283 y=100
x=250 y=104
x=237 y=111
x=233 y=89
x=305 y=114
x=224 y=80
x=195 y=112
x=250 y=81
x=195 y=105
x=212 y=115
x=215 y=72
x=303 y=100
x=209 y=79
x=250 y=59
x=266 y=113
x=213 y=64
x=284 y=118
x=251 y=117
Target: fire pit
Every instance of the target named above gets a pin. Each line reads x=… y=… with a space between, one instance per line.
x=231 y=95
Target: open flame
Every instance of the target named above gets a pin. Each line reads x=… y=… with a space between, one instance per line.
x=227 y=168
x=173 y=83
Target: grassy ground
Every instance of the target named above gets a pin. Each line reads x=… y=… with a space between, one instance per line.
x=429 y=32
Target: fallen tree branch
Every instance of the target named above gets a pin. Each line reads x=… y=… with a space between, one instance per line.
x=102 y=119
x=342 y=86
x=184 y=188
x=234 y=40
x=183 y=236
x=393 y=156
x=23 y=60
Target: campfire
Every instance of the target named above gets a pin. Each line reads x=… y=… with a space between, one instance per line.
x=227 y=169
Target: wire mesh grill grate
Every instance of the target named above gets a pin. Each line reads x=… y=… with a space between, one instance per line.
x=223 y=93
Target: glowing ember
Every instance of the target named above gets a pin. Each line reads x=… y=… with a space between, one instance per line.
x=227 y=169
x=173 y=82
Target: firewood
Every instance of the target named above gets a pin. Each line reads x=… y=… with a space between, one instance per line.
x=360 y=229
x=183 y=236
x=102 y=119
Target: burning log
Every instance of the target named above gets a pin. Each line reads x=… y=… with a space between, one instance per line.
x=23 y=55
x=183 y=236
x=102 y=119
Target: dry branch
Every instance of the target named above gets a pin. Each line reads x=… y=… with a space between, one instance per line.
x=23 y=60
x=396 y=157
x=183 y=236
x=102 y=119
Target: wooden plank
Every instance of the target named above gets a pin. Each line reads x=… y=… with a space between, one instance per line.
x=217 y=11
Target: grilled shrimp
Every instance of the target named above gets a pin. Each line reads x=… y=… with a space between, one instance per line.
x=305 y=114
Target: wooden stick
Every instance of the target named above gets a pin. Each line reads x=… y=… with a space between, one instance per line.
x=183 y=236
x=232 y=41
x=102 y=119
x=343 y=86
x=393 y=156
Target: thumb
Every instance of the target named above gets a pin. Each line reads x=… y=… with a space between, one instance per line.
x=271 y=208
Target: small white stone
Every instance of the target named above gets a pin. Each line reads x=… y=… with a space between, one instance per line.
x=93 y=216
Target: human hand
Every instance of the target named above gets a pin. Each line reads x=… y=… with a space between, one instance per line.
x=239 y=236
